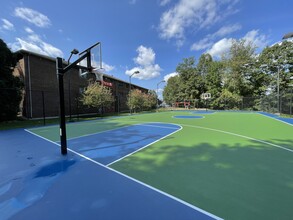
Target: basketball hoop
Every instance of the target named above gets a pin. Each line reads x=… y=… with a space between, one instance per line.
x=206 y=96
x=93 y=61
x=85 y=62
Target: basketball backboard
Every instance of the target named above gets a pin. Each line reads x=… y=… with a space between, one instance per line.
x=93 y=61
x=206 y=96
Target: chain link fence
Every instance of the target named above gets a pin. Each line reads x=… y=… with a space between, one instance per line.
x=271 y=103
x=45 y=104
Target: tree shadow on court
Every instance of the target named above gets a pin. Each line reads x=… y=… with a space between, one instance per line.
x=254 y=181
x=78 y=129
x=112 y=145
x=284 y=143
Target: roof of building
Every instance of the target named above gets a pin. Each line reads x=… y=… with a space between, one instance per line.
x=289 y=35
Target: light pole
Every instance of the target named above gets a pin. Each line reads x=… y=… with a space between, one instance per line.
x=158 y=92
x=291 y=85
x=74 y=51
x=136 y=72
x=278 y=89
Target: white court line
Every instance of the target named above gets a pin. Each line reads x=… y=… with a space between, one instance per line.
x=134 y=180
x=202 y=113
x=188 y=117
x=99 y=132
x=277 y=119
x=242 y=136
x=42 y=137
x=145 y=145
x=149 y=124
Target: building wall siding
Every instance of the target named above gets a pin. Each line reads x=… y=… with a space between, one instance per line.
x=41 y=95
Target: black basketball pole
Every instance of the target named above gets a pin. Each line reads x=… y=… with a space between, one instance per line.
x=62 y=131
x=60 y=73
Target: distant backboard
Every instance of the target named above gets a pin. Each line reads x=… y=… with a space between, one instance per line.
x=206 y=96
x=93 y=61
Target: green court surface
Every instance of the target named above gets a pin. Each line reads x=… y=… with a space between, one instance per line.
x=235 y=165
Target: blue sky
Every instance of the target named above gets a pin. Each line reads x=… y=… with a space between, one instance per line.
x=151 y=36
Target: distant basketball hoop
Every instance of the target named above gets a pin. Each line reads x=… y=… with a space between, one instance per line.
x=206 y=96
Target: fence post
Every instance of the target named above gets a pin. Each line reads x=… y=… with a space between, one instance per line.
x=43 y=102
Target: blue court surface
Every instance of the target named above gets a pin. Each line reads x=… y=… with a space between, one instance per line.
x=108 y=147
x=277 y=117
x=37 y=182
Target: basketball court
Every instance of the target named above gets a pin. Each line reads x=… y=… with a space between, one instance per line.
x=170 y=165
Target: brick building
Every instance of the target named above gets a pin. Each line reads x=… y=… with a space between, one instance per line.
x=41 y=96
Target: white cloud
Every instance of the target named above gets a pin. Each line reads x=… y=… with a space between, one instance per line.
x=223 y=45
x=33 y=17
x=202 y=44
x=225 y=30
x=168 y=76
x=164 y=2
x=220 y=47
x=146 y=56
x=208 y=41
x=34 y=43
x=25 y=45
x=28 y=30
x=50 y=50
x=107 y=67
x=257 y=39
x=7 y=25
x=160 y=90
x=146 y=64
x=192 y=14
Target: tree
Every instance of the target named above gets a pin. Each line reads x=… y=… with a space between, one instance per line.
x=242 y=52
x=149 y=100
x=238 y=74
x=171 y=90
x=278 y=58
x=97 y=96
x=10 y=86
x=213 y=82
x=228 y=100
x=135 y=100
x=190 y=81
